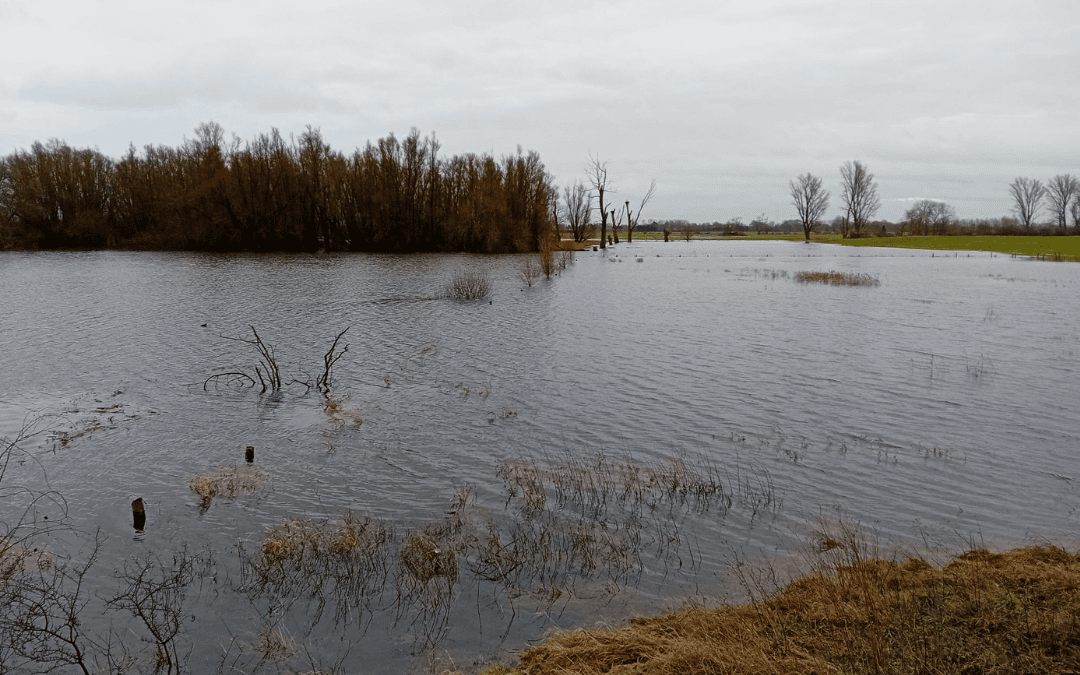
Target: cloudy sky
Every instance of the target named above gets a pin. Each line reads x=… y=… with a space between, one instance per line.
x=722 y=102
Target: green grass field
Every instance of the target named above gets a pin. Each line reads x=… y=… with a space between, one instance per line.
x=1056 y=248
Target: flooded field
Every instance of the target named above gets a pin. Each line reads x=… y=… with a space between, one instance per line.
x=607 y=443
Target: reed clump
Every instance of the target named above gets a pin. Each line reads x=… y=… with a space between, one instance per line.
x=430 y=553
x=231 y=480
x=835 y=278
x=1013 y=612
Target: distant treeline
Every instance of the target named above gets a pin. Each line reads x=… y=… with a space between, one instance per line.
x=1005 y=226
x=270 y=194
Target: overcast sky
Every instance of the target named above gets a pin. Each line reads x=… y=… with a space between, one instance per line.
x=722 y=102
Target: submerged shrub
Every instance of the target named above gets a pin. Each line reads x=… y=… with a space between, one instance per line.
x=468 y=285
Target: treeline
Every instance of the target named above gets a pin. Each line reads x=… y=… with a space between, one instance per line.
x=270 y=194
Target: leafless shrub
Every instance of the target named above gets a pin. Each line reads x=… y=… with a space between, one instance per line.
x=154 y=594
x=468 y=285
x=564 y=259
x=529 y=270
x=331 y=357
x=268 y=371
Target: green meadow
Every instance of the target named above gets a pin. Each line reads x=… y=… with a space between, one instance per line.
x=1055 y=248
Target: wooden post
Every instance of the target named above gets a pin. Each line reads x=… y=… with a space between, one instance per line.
x=249 y=454
x=138 y=514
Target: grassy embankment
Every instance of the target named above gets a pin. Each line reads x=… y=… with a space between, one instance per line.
x=1014 y=612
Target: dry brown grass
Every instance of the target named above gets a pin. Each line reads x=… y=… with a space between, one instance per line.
x=1014 y=612
x=229 y=481
x=835 y=278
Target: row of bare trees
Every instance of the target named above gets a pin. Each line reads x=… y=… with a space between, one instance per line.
x=270 y=194
x=576 y=210
x=858 y=194
x=1061 y=194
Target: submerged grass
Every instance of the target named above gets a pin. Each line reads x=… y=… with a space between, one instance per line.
x=835 y=278
x=229 y=481
x=1014 y=612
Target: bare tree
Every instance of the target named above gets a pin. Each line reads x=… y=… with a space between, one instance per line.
x=860 y=196
x=1076 y=213
x=597 y=172
x=631 y=222
x=577 y=205
x=811 y=201
x=1061 y=190
x=1027 y=194
x=929 y=216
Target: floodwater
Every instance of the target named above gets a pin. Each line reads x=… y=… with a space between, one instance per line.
x=940 y=407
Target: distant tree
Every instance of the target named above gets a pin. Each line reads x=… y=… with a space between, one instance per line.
x=632 y=217
x=1076 y=214
x=859 y=194
x=597 y=172
x=810 y=200
x=1027 y=194
x=577 y=211
x=1062 y=191
x=929 y=216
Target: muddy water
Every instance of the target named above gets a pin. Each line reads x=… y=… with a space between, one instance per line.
x=939 y=406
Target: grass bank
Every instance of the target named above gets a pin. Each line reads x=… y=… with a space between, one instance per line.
x=1014 y=612
x=1052 y=248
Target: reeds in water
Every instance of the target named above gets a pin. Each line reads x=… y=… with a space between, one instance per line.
x=231 y=480
x=835 y=278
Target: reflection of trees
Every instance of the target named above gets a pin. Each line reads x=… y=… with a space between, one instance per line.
x=273 y=195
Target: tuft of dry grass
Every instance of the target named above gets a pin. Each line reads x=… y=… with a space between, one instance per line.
x=1013 y=612
x=273 y=644
x=835 y=278
x=229 y=481
x=300 y=540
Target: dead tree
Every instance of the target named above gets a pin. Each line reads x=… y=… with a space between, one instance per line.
x=597 y=172
x=631 y=222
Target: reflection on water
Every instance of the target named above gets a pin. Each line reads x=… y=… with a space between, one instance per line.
x=483 y=472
